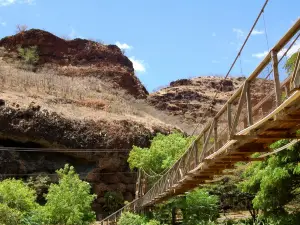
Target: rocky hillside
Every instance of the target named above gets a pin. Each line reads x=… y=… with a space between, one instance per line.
x=79 y=94
x=78 y=57
x=83 y=94
x=190 y=98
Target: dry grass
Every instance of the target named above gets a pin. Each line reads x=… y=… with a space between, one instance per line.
x=77 y=97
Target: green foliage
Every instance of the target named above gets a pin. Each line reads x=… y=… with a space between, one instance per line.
x=153 y=222
x=9 y=216
x=163 y=153
x=17 y=201
x=274 y=182
x=128 y=218
x=16 y=195
x=69 y=201
x=40 y=184
x=290 y=63
x=29 y=55
x=113 y=201
x=196 y=207
x=200 y=207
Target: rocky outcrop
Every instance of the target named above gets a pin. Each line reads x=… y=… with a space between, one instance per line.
x=106 y=171
x=191 y=98
x=89 y=57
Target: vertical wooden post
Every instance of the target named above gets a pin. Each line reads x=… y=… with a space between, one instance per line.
x=196 y=153
x=276 y=77
x=138 y=184
x=216 y=133
x=229 y=118
x=287 y=90
x=249 y=105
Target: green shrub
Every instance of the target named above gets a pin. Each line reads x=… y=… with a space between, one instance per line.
x=69 y=201
x=128 y=218
x=16 y=195
x=200 y=207
x=113 y=201
x=153 y=222
x=29 y=55
x=162 y=154
x=9 y=216
x=40 y=184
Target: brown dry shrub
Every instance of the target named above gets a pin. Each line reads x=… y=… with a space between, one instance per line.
x=21 y=28
x=92 y=103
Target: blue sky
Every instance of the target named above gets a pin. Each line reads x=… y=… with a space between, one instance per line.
x=165 y=39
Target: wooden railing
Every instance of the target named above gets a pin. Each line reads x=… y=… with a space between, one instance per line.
x=242 y=110
x=257 y=97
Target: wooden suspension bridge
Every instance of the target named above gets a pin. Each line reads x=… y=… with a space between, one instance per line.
x=246 y=124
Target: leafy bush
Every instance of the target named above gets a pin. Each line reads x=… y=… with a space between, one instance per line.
x=196 y=207
x=16 y=195
x=290 y=63
x=29 y=55
x=200 y=207
x=128 y=218
x=40 y=184
x=163 y=152
x=274 y=182
x=69 y=201
x=9 y=216
x=153 y=222
x=113 y=201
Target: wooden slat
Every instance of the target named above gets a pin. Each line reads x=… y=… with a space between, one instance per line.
x=216 y=134
x=239 y=110
x=272 y=137
x=276 y=77
x=249 y=106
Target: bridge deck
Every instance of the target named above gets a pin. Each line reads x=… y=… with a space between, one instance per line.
x=249 y=122
x=269 y=130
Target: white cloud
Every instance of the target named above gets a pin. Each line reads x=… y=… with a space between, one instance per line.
x=215 y=61
x=214 y=34
x=239 y=32
x=295 y=48
x=3 y=23
x=123 y=46
x=73 y=34
x=138 y=65
x=6 y=2
x=257 y=32
x=260 y=54
x=11 y=2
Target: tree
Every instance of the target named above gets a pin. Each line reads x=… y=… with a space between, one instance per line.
x=128 y=218
x=290 y=63
x=113 y=201
x=162 y=154
x=196 y=207
x=21 y=28
x=69 y=201
x=40 y=184
x=17 y=201
x=274 y=182
x=29 y=55
x=201 y=207
x=17 y=195
x=9 y=216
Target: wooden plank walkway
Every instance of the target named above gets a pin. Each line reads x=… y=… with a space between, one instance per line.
x=246 y=124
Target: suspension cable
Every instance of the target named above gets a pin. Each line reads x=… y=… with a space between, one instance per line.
x=62 y=150
x=232 y=65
